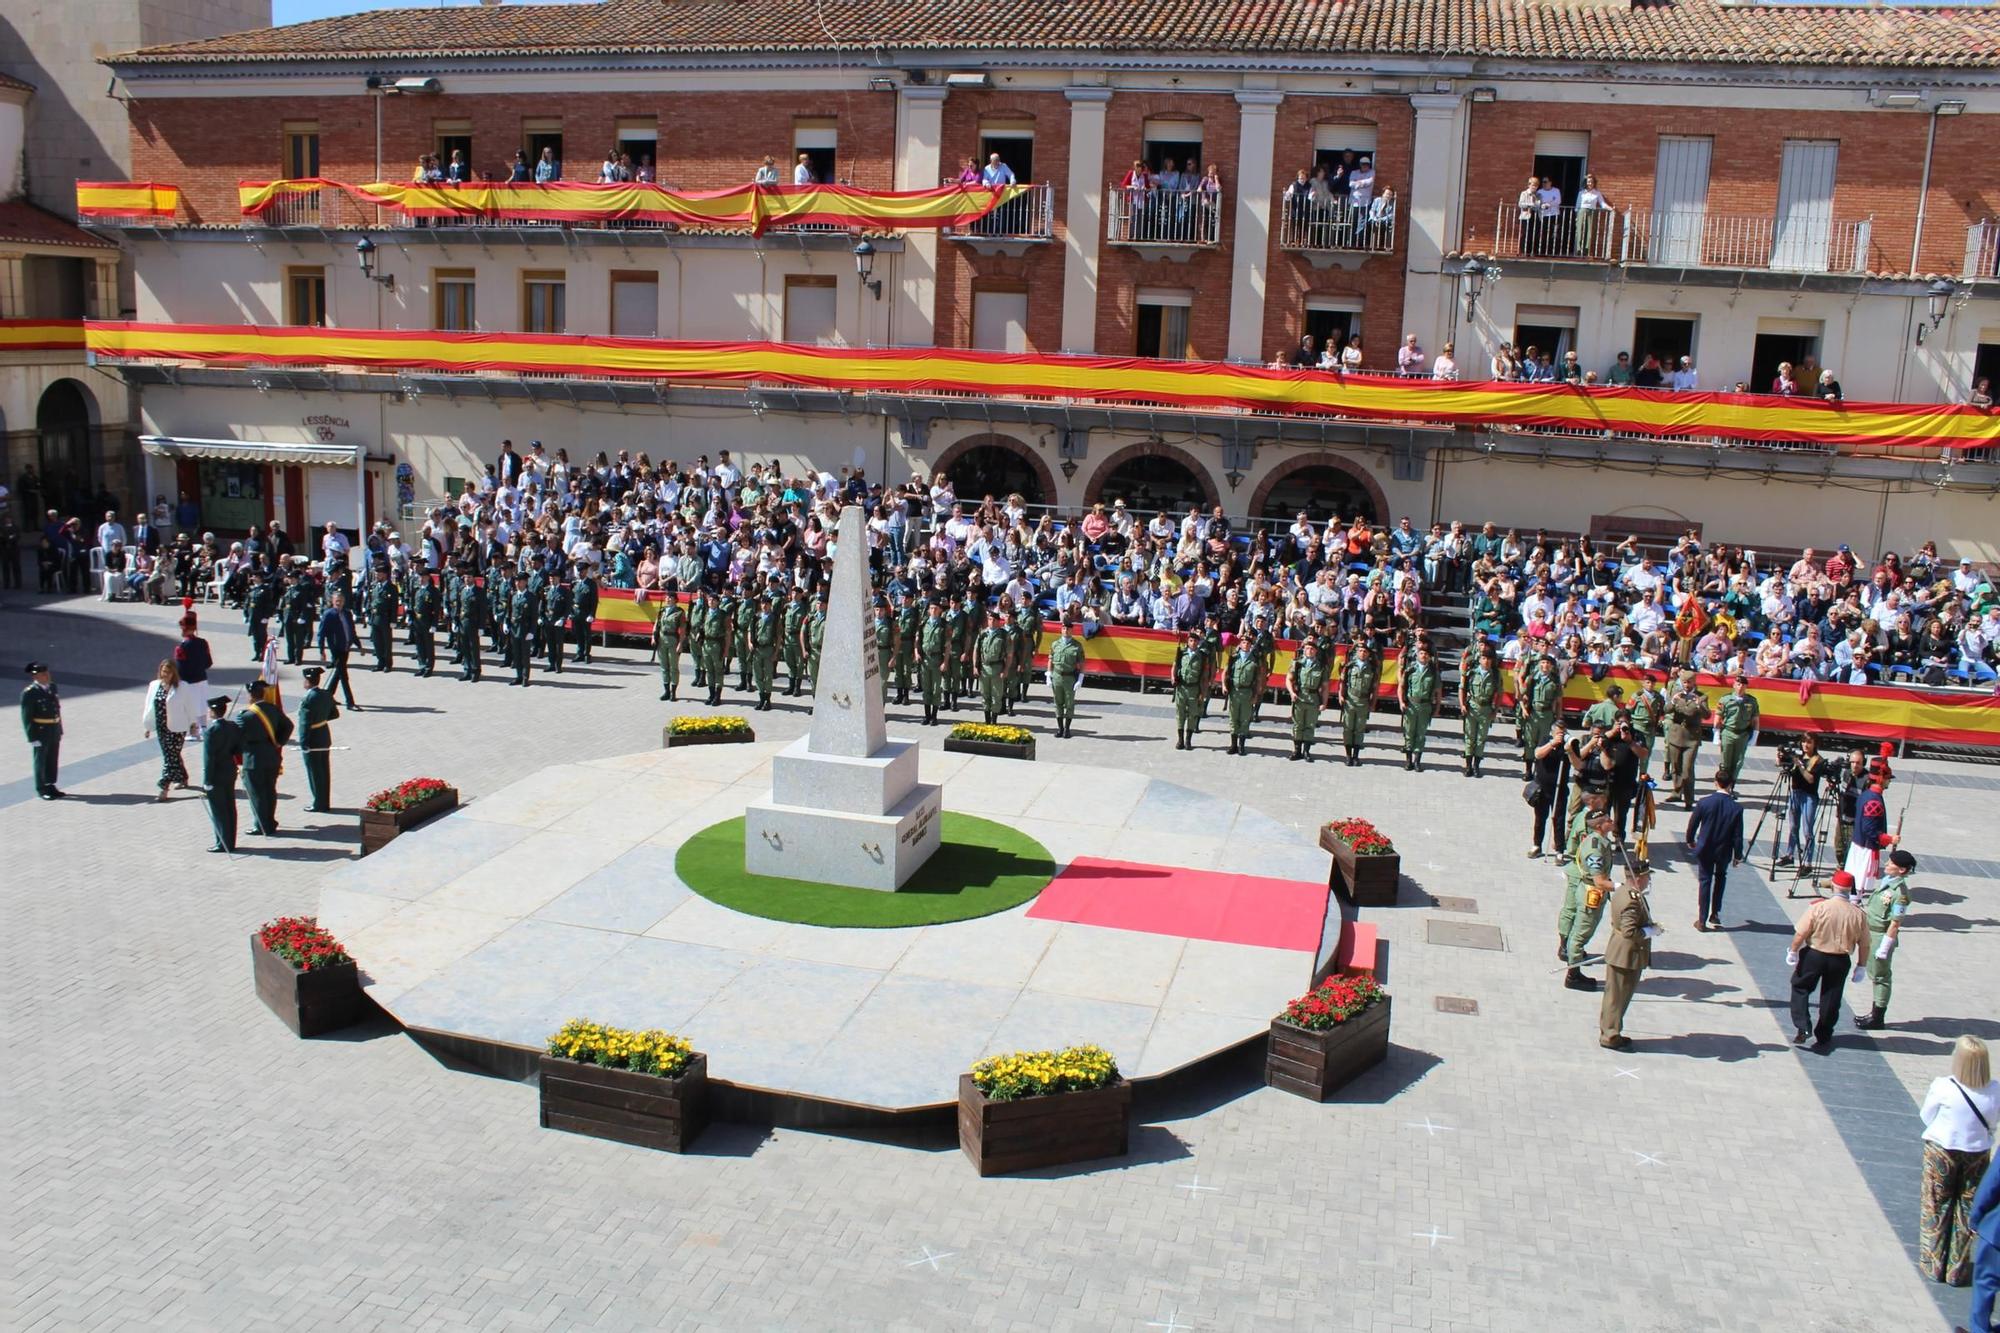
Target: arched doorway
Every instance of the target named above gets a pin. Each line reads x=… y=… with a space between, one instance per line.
x=1152 y=476
x=999 y=466
x=1323 y=485
x=63 y=422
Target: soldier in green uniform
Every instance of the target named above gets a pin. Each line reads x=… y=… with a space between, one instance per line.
x=1246 y=683
x=1209 y=640
x=221 y=752
x=970 y=627
x=883 y=630
x=1064 y=671
x=793 y=625
x=1687 y=713
x=765 y=631
x=1649 y=713
x=382 y=623
x=697 y=616
x=1027 y=638
x=555 y=621
x=473 y=614
x=933 y=653
x=1418 y=689
x=582 y=610
x=423 y=624
x=954 y=624
x=1540 y=701
x=1583 y=908
x=1735 y=726
x=1307 y=684
x=298 y=612
x=1191 y=675
x=266 y=730
x=712 y=643
x=317 y=710
x=1477 y=687
x=1885 y=909
x=41 y=723
x=260 y=603
x=909 y=621
x=746 y=625
x=1605 y=711
x=816 y=639
x=670 y=634
x=1359 y=680
x=522 y=623
x=993 y=651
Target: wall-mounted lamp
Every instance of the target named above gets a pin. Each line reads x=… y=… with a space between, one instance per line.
x=864 y=264
x=1937 y=300
x=1068 y=468
x=1233 y=477
x=1472 y=280
x=364 y=251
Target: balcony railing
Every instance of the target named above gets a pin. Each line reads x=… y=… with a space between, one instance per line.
x=1028 y=216
x=1336 y=227
x=1567 y=233
x=1152 y=216
x=1685 y=238
x=325 y=210
x=1982 y=249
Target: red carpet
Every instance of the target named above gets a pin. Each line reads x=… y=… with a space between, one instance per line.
x=1191 y=904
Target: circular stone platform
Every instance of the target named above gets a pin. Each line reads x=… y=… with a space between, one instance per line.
x=556 y=897
x=979 y=868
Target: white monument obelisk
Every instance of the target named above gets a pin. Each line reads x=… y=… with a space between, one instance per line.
x=845 y=804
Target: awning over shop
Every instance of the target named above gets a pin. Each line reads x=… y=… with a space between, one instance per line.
x=251 y=451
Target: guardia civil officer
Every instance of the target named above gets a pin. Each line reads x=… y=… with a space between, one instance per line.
x=317 y=710
x=221 y=753
x=41 y=723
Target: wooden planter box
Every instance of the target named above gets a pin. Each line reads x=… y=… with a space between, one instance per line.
x=1055 y=1130
x=380 y=828
x=1315 y=1065
x=1370 y=881
x=644 y=1110
x=997 y=749
x=673 y=742
x=322 y=1000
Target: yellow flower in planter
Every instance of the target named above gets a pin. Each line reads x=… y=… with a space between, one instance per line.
x=992 y=735
x=648 y=1052
x=1038 y=1073
x=708 y=726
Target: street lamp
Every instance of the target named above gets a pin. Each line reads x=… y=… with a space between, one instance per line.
x=1473 y=278
x=364 y=251
x=864 y=265
x=1938 y=298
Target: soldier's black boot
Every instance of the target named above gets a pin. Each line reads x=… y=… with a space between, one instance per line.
x=1309 y=752
x=1874 y=1019
x=764 y=702
x=1298 y=752
x=1576 y=980
x=1416 y=761
x=1409 y=762
x=1468 y=765
x=663 y=695
x=715 y=696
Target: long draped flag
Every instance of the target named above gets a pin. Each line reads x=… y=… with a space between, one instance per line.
x=754 y=206
x=41 y=335
x=126 y=199
x=1881 y=712
x=1747 y=417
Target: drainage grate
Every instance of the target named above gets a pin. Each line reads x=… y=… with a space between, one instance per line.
x=1469 y=906
x=1456 y=1004
x=1462 y=934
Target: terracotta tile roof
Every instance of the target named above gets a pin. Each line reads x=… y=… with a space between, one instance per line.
x=1703 y=31
x=23 y=223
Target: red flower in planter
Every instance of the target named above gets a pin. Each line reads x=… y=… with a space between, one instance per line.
x=1362 y=837
x=414 y=792
x=302 y=942
x=1334 y=1002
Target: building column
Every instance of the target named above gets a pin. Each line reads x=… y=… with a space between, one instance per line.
x=1083 y=217
x=1434 y=203
x=1251 y=246
x=919 y=162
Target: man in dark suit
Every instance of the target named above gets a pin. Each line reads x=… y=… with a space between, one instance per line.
x=265 y=731
x=336 y=638
x=221 y=751
x=1985 y=1220
x=145 y=537
x=1715 y=837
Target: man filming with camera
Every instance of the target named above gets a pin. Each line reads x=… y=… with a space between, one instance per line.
x=1802 y=765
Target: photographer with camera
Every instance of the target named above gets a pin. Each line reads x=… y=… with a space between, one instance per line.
x=1802 y=764
x=1843 y=785
x=1625 y=757
x=1590 y=763
x=1545 y=791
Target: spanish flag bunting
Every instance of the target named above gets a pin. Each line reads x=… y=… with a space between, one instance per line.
x=126 y=199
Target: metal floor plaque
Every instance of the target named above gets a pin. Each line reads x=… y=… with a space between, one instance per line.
x=1469 y=906
x=1456 y=1004
x=1462 y=934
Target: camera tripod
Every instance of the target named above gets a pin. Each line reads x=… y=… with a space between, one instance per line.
x=1812 y=847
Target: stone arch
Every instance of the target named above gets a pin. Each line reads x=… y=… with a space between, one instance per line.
x=1093 y=489
x=1044 y=478
x=1321 y=458
x=66 y=434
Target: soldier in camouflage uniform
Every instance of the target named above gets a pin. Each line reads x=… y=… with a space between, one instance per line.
x=934 y=642
x=670 y=634
x=1190 y=675
x=1246 y=683
x=1477 y=687
x=1065 y=670
x=1307 y=685
x=1358 y=682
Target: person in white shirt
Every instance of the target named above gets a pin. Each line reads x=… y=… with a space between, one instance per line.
x=727 y=474
x=802 y=174
x=1361 y=185
x=1959 y=1113
x=333 y=546
x=1409 y=357
x=1683 y=377
x=997 y=173
x=1446 y=365
x=110 y=530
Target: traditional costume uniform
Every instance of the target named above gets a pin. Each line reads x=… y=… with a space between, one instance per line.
x=1871 y=838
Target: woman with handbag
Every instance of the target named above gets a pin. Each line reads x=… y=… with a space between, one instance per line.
x=1958 y=1113
x=170 y=712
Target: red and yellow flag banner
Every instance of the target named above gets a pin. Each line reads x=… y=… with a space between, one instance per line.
x=1741 y=417
x=126 y=199
x=753 y=206
x=1879 y=712
x=41 y=335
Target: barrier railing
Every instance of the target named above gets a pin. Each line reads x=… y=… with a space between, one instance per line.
x=1339 y=226
x=1686 y=238
x=1148 y=215
x=1028 y=216
x=1567 y=233
x=1982 y=249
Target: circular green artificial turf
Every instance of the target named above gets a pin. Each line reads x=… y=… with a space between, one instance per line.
x=980 y=868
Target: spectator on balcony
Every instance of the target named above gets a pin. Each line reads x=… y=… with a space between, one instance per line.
x=520 y=172
x=968 y=173
x=1501 y=365
x=1350 y=356
x=608 y=170
x=1298 y=202
x=1829 y=387
x=1209 y=187
x=1982 y=393
x=1621 y=370
x=1527 y=208
x=1593 y=220
x=1446 y=366
x=802 y=171
x=1649 y=375
x=1548 y=215
x=998 y=175
x=457 y=172
x=1304 y=357
x=1571 y=371
x=1683 y=379
x=646 y=172
x=1409 y=357
x=547 y=168
x=767 y=174
x=1783 y=383
x=1361 y=185
x=1382 y=219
